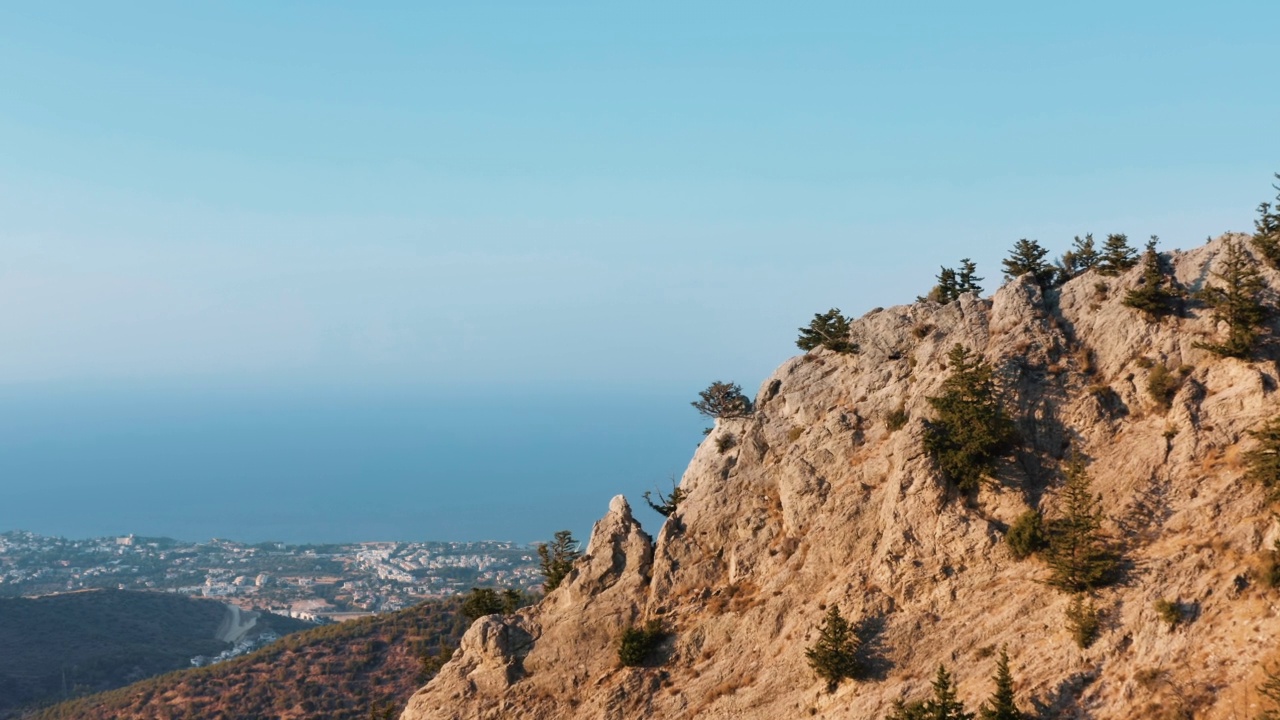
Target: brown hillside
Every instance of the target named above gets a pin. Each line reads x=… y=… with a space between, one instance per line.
x=337 y=672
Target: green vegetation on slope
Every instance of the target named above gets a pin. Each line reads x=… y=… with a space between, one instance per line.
x=338 y=672
x=60 y=645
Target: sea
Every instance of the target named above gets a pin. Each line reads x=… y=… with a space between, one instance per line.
x=321 y=466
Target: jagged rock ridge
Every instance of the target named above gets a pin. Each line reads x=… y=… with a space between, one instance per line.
x=821 y=502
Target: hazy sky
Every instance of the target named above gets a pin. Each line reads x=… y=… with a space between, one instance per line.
x=472 y=259
x=567 y=194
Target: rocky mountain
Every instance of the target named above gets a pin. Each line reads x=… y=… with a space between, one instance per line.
x=826 y=496
x=58 y=646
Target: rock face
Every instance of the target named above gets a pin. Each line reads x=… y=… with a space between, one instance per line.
x=820 y=501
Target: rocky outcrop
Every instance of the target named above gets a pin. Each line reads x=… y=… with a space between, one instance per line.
x=821 y=501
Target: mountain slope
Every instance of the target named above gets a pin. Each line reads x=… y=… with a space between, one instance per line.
x=80 y=642
x=821 y=501
x=336 y=672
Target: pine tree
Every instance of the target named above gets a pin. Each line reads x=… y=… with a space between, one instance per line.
x=1266 y=235
x=947 y=289
x=1156 y=295
x=1082 y=620
x=972 y=430
x=945 y=705
x=1079 y=555
x=513 y=600
x=953 y=283
x=1237 y=300
x=1001 y=706
x=1081 y=258
x=481 y=602
x=1028 y=257
x=1264 y=460
x=829 y=330
x=967 y=277
x=557 y=558
x=834 y=656
x=722 y=400
x=1116 y=256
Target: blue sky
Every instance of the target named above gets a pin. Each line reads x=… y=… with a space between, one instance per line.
x=551 y=200
x=569 y=194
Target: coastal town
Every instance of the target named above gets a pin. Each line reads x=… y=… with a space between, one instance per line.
x=312 y=582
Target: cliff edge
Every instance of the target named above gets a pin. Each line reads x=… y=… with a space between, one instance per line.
x=821 y=501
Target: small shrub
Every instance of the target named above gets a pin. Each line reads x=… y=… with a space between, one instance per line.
x=1148 y=677
x=921 y=330
x=666 y=504
x=985 y=652
x=637 y=643
x=1162 y=385
x=1083 y=621
x=1144 y=362
x=1026 y=535
x=1085 y=359
x=1170 y=611
x=726 y=442
x=897 y=418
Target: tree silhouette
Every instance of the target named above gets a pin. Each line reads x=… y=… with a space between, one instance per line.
x=1028 y=257
x=722 y=400
x=1081 y=258
x=1116 y=256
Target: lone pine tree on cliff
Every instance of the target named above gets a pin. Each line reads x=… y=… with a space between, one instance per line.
x=1117 y=256
x=829 y=330
x=972 y=429
x=1236 y=296
x=835 y=654
x=557 y=558
x=1027 y=256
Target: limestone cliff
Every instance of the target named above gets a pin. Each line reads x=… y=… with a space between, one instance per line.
x=821 y=502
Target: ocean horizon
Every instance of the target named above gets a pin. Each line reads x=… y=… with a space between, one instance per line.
x=327 y=467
